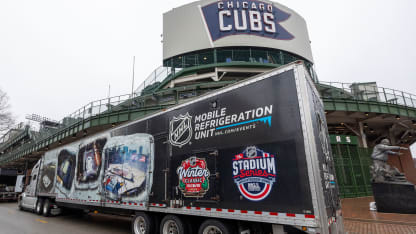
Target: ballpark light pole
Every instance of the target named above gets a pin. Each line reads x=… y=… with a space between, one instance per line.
x=132 y=82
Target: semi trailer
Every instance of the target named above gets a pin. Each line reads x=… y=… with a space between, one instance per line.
x=253 y=157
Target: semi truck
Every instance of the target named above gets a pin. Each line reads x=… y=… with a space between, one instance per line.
x=10 y=185
x=252 y=157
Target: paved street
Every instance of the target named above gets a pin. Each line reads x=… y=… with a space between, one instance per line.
x=358 y=219
x=354 y=227
x=13 y=221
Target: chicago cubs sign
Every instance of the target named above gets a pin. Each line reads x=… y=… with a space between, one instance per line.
x=254 y=173
x=227 y=18
x=208 y=24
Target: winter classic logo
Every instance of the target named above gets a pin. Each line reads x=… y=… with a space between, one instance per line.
x=254 y=172
x=180 y=130
x=193 y=177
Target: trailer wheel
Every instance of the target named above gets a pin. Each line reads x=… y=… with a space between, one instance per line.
x=46 y=208
x=212 y=226
x=142 y=223
x=39 y=206
x=172 y=224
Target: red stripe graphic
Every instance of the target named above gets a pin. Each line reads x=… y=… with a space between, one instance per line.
x=260 y=196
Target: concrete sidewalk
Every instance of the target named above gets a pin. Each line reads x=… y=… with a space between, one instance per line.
x=359 y=219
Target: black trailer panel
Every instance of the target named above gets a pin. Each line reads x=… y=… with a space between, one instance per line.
x=216 y=131
x=265 y=121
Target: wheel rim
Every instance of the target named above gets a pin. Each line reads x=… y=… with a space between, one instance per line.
x=139 y=225
x=212 y=230
x=38 y=207
x=170 y=227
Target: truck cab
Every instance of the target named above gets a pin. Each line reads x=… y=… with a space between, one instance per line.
x=28 y=199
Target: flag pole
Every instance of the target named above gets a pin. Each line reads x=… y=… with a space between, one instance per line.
x=132 y=82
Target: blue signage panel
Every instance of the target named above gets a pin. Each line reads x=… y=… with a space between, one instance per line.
x=227 y=18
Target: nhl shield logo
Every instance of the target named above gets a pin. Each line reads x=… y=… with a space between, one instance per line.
x=180 y=130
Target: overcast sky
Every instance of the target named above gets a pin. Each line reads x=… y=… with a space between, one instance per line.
x=56 y=55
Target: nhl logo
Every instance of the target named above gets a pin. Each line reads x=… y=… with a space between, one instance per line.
x=180 y=130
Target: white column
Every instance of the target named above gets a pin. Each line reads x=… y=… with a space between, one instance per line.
x=362 y=134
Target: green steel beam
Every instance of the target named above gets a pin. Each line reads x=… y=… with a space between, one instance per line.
x=368 y=106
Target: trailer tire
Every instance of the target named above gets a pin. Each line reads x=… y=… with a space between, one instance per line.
x=172 y=224
x=214 y=226
x=39 y=206
x=142 y=223
x=46 y=208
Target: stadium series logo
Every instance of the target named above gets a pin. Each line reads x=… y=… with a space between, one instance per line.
x=254 y=173
x=228 y=18
x=180 y=130
x=193 y=177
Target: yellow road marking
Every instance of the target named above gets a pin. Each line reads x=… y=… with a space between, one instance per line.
x=42 y=221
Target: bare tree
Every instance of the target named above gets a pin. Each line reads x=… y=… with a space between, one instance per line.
x=6 y=117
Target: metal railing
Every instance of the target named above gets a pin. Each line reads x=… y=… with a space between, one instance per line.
x=95 y=108
x=90 y=110
x=9 y=138
x=251 y=55
x=365 y=92
x=157 y=76
x=16 y=130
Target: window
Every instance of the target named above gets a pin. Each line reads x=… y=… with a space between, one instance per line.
x=241 y=55
x=224 y=56
x=191 y=60
x=234 y=54
x=206 y=58
x=259 y=56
